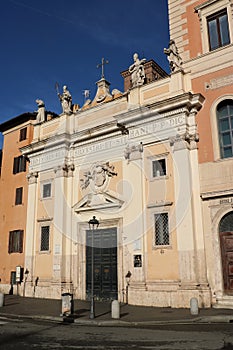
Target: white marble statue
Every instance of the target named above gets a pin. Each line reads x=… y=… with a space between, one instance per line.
x=137 y=71
x=66 y=100
x=40 y=118
x=173 y=56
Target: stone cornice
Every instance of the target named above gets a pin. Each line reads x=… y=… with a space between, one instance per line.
x=216 y=194
x=51 y=142
x=204 y=4
x=160 y=114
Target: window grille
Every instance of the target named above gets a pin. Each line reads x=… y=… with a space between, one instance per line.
x=161 y=229
x=44 y=244
x=159 y=167
x=218 y=30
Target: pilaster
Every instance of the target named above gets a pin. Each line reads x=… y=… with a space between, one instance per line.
x=188 y=215
x=62 y=224
x=31 y=225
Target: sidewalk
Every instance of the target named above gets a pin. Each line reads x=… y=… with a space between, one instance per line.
x=130 y=315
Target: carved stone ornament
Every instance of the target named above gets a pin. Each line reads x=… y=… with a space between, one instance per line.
x=133 y=152
x=32 y=177
x=98 y=176
x=175 y=61
x=64 y=170
x=137 y=71
x=66 y=100
x=102 y=90
x=40 y=118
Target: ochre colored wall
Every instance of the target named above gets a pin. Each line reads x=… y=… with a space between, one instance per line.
x=12 y=217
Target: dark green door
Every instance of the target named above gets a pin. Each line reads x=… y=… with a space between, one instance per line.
x=105 y=263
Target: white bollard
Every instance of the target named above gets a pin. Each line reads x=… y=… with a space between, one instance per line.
x=194 y=306
x=1 y=299
x=115 y=309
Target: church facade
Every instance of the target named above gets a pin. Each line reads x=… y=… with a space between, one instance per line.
x=152 y=165
x=129 y=160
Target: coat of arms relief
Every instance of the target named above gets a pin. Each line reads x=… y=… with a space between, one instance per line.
x=97 y=178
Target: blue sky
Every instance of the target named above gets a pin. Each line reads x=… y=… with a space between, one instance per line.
x=49 y=41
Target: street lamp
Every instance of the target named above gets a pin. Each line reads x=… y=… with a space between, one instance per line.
x=93 y=225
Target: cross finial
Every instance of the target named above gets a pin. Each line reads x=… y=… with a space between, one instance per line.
x=103 y=62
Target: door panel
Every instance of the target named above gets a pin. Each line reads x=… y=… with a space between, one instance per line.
x=226 y=242
x=105 y=263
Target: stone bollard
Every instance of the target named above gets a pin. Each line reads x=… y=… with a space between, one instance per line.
x=194 y=306
x=1 y=299
x=115 y=309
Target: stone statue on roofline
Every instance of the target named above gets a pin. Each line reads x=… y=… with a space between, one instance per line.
x=175 y=61
x=66 y=100
x=40 y=118
x=137 y=71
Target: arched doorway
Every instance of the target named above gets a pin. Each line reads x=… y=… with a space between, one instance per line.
x=226 y=243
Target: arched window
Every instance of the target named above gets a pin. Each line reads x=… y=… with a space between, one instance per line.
x=225 y=128
x=226 y=223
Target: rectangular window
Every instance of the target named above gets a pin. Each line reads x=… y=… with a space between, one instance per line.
x=44 y=242
x=47 y=190
x=19 y=196
x=15 y=241
x=13 y=278
x=218 y=30
x=161 y=229
x=19 y=164
x=23 y=134
x=159 y=167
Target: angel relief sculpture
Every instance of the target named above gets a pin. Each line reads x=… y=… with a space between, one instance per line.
x=98 y=176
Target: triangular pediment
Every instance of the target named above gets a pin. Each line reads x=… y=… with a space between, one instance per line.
x=95 y=201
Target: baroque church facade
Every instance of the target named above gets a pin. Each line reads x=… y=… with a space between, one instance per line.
x=148 y=163
x=130 y=160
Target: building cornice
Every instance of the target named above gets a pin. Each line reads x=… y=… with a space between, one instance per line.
x=20 y=119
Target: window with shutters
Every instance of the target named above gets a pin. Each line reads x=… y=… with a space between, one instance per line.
x=162 y=237
x=19 y=196
x=19 y=164
x=44 y=238
x=15 y=241
x=22 y=134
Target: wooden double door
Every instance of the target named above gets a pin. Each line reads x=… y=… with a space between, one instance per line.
x=226 y=242
x=105 y=263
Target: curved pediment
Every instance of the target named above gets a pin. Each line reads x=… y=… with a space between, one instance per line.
x=94 y=201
